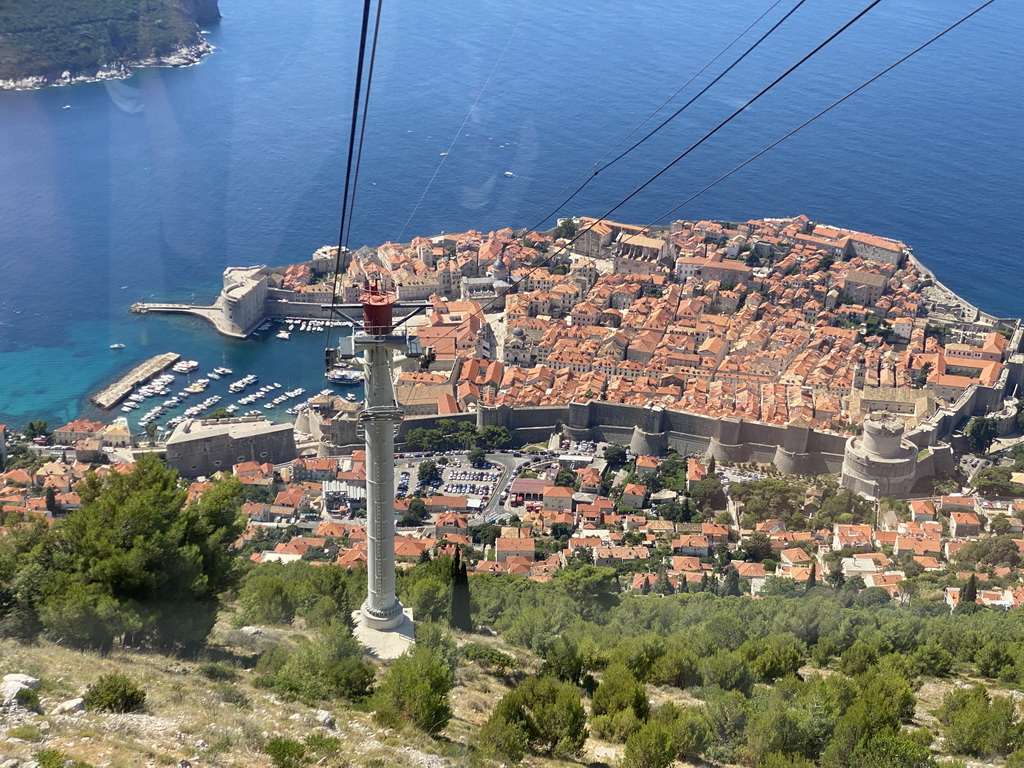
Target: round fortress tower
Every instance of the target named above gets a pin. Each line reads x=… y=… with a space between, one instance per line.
x=883 y=434
x=880 y=462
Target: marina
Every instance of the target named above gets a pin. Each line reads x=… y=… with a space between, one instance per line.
x=141 y=373
x=241 y=397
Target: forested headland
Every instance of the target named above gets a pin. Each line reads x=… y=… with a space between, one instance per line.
x=41 y=41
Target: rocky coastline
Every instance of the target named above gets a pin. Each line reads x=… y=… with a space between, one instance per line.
x=186 y=56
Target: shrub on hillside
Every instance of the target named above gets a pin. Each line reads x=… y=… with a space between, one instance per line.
x=488 y=656
x=115 y=693
x=688 y=727
x=542 y=716
x=218 y=672
x=324 y=746
x=619 y=706
x=52 y=758
x=649 y=747
x=620 y=691
x=331 y=667
x=27 y=699
x=25 y=733
x=134 y=566
x=415 y=692
x=285 y=753
x=979 y=725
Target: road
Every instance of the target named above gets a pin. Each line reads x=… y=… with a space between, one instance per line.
x=508 y=464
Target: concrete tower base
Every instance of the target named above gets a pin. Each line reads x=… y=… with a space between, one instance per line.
x=381 y=620
x=385 y=644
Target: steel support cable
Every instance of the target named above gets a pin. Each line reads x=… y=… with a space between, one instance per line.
x=366 y=110
x=750 y=102
x=823 y=112
x=351 y=150
x=562 y=248
x=656 y=110
x=673 y=116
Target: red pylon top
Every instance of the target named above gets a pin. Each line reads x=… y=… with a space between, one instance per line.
x=378 y=306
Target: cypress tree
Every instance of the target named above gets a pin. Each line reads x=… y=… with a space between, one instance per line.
x=731 y=587
x=683 y=587
x=812 y=579
x=461 y=617
x=663 y=586
x=686 y=514
x=970 y=592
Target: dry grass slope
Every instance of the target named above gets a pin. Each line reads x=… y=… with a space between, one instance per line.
x=227 y=722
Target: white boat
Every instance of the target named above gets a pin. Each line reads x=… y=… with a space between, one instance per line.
x=509 y=174
x=117 y=346
x=341 y=376
x=283 y=334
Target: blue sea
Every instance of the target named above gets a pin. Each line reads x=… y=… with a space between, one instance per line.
x=146 y=188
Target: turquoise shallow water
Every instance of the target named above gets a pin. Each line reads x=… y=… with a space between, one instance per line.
x=149 y=187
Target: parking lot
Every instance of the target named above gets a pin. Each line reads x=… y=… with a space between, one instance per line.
x=729 y=475
x=470 y=482
x=971 y=465
x=486 y=487
x=457 y=478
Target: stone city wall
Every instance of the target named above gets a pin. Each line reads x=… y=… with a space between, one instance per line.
x=653 y=430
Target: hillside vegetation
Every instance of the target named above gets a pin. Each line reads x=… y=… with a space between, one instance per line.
x=234 y=664
x=46 y=38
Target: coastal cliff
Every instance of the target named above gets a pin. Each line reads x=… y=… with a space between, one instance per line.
x=55 y=43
